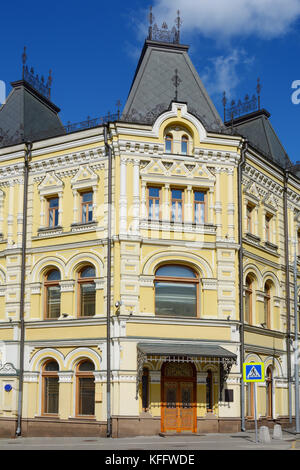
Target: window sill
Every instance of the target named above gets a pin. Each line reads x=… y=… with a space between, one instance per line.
x=253 y=237
x=49 y=231
x=271 y=246
x=83 y=226
x=82 y=417
x=170 y=226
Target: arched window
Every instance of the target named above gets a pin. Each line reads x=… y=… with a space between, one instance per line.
x=269 y=392
x=176 y=291
x=52 y=294
x=267 y=304
x=85 y=388
x=248 y=300
x=184 y=145
x=86 y=292
x=168 y=143
x=50 y=388
x=209 y=392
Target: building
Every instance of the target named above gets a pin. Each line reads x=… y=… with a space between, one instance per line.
x=143 y=259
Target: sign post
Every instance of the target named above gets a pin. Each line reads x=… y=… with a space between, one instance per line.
x=254 y=372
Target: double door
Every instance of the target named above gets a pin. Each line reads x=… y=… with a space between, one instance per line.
x=179 y=405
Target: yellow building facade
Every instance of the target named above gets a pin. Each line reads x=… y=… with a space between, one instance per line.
x=154 y=264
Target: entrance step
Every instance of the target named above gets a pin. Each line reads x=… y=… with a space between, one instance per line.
x=179 y=434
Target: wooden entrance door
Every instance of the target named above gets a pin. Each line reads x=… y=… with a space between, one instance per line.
x=178 y=405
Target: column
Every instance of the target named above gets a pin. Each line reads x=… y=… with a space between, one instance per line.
x=144 y=201
x=211 y=206
x=10 y=216
x=166 y=203
x=60 y=209
x=218 y=206
x=136 y=196
x=188 y=213
x=20 y=214
x=230 y=204
x=123 y=196
x=1 y=212
x=65 y=394
x=42 y=214
x=75 y=206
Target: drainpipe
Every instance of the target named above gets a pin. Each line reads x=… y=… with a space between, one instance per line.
x=241 y=271
x=28 y=147
x=287 y=291
x=108 y=299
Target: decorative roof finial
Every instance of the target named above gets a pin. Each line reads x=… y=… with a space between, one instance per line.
x=178 y=23
x=163 y=34
x=24 y=60
x=151 y=18
x=224 y=101
x=33 y=79
x=176 y=82
x=118 y=104
x=258 y=90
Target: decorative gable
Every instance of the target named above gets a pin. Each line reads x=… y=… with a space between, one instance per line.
x=84 y=178
x=271 y=201
x=51 y=184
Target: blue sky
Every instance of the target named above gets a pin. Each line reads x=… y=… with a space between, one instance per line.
x=93 y=47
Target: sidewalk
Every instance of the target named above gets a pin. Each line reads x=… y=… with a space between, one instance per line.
x=237 y=441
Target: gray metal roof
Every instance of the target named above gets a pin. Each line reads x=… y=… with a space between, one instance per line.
x=257 y=128
x=27 y=115
x=152 y=89
x=185 y=349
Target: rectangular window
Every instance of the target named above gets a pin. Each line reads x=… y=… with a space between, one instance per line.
x=154 y=203
x=249 y=218
x=51 y=387
x=176 y=299
x=87 y=299
x=53 y=211
x=86 y=396
x=268 y=222
x=199 y=207
x=53 y=301
x=176 y=205
x=87 y=207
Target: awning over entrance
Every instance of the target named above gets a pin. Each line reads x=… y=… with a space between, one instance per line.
x=185 y=352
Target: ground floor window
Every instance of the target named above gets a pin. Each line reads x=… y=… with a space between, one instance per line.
x=50 y=388
x=85 y=388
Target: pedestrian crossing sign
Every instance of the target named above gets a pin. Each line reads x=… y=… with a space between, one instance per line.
x=253 y=372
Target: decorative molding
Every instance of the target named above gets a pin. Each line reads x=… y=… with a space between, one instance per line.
x=147 y=281
x=35 y=288
x=65 y=376
x=31 y=377
x=67 y=286
x=209 y=284
x=7 y=369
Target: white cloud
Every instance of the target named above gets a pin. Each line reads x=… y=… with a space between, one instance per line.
x=223 y=72
x=231 y=18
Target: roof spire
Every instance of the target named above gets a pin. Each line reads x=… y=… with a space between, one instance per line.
x=151 y=18
x=178 y=24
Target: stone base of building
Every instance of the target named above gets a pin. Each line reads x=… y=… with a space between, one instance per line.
x=52 y=427
x=124 y=426
x=270 y=422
